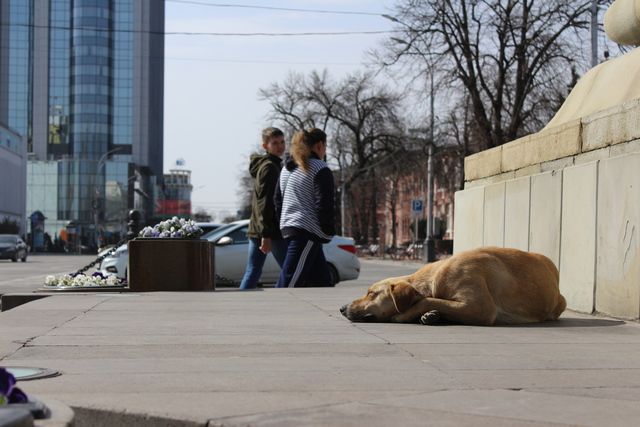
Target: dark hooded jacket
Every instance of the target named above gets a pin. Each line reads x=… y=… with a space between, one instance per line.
x=265 y=170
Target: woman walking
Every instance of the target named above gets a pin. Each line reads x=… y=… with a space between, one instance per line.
x=305 y=203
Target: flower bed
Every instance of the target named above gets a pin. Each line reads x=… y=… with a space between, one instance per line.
x=174 y=228
x=96 y=280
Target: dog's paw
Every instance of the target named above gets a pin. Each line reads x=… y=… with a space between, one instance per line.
x=398 y=318
x=430 y=317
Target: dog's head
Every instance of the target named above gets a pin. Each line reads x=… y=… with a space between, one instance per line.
x=383 y=300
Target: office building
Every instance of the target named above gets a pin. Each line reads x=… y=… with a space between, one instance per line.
x=13 y=181
x=82 y=81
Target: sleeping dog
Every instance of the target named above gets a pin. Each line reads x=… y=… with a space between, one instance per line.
x=485 y=286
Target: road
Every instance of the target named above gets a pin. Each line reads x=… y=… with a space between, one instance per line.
x=29 y=276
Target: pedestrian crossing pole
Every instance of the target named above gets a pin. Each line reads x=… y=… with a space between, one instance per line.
x=429 y=244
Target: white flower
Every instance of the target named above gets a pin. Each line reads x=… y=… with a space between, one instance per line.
x=82 y=280
x=173 y=228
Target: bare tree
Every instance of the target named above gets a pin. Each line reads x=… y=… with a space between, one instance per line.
x=201 y=215
x=360 y=115
x=506 y=56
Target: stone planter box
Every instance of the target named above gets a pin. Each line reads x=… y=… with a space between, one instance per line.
x=171 y=265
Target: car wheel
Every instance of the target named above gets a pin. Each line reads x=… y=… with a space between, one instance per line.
x=24 y=258
x=333 y=274
x=15 y=258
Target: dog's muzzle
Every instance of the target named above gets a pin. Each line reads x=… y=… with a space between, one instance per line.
x=356 y=317
x=343 y=310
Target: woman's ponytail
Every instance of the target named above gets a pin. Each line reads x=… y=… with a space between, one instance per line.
x=301 y=150
x=301 y=144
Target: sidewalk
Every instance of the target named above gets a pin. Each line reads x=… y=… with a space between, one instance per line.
x=288 y=358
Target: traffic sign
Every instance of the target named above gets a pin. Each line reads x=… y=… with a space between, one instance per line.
x=416 y=206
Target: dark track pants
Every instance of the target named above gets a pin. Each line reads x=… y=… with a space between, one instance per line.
x=304 y=265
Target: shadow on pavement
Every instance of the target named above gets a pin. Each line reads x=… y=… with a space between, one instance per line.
x=569 y=322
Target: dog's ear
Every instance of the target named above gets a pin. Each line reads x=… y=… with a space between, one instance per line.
x=404 y=295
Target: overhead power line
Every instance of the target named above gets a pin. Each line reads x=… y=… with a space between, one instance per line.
x=196 y=33
x=258 y=61
x=310 y=33
x=284 y=9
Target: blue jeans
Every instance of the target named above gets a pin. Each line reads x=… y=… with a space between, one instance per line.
x=256 y=259
x=305 y=265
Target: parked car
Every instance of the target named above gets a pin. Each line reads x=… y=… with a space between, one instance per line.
x=232 y=246
x=13 y=247
x=117 y=262
x=208 y=226
x=231 y=257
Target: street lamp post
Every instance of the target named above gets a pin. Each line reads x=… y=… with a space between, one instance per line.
x=343 y=196
x=594 y=33
x=429 y=242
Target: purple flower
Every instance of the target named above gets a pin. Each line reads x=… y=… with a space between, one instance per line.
x=8 y=391
x=7 y=381
x=18 y=396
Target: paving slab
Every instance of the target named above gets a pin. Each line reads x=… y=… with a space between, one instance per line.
x=469 y=219
x=494 y=215
x=545 y=215
x=517 y=212
x=618 y=256
x=578 y=248
x=359 y=414
x=287 y=357
x=524 y=405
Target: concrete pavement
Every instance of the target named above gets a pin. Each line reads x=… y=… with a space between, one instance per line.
x=287 y=357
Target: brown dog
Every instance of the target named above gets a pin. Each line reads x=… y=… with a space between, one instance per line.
x=485 y=286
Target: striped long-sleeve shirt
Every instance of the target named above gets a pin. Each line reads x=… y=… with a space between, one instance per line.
x=305 y=201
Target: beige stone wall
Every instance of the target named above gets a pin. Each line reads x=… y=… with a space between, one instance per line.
x=571 y=193
x=608 y=133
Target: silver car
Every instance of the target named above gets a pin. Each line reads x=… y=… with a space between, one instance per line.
x=232 y=247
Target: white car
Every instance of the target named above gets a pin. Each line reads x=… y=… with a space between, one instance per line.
x=232 y=246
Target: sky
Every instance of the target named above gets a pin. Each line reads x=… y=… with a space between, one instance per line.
x=212 y=114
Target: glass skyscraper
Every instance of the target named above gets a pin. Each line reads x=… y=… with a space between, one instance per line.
x=16 y=56
x=83 y=80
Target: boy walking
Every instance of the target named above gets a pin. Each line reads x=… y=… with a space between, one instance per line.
x=264 y=230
